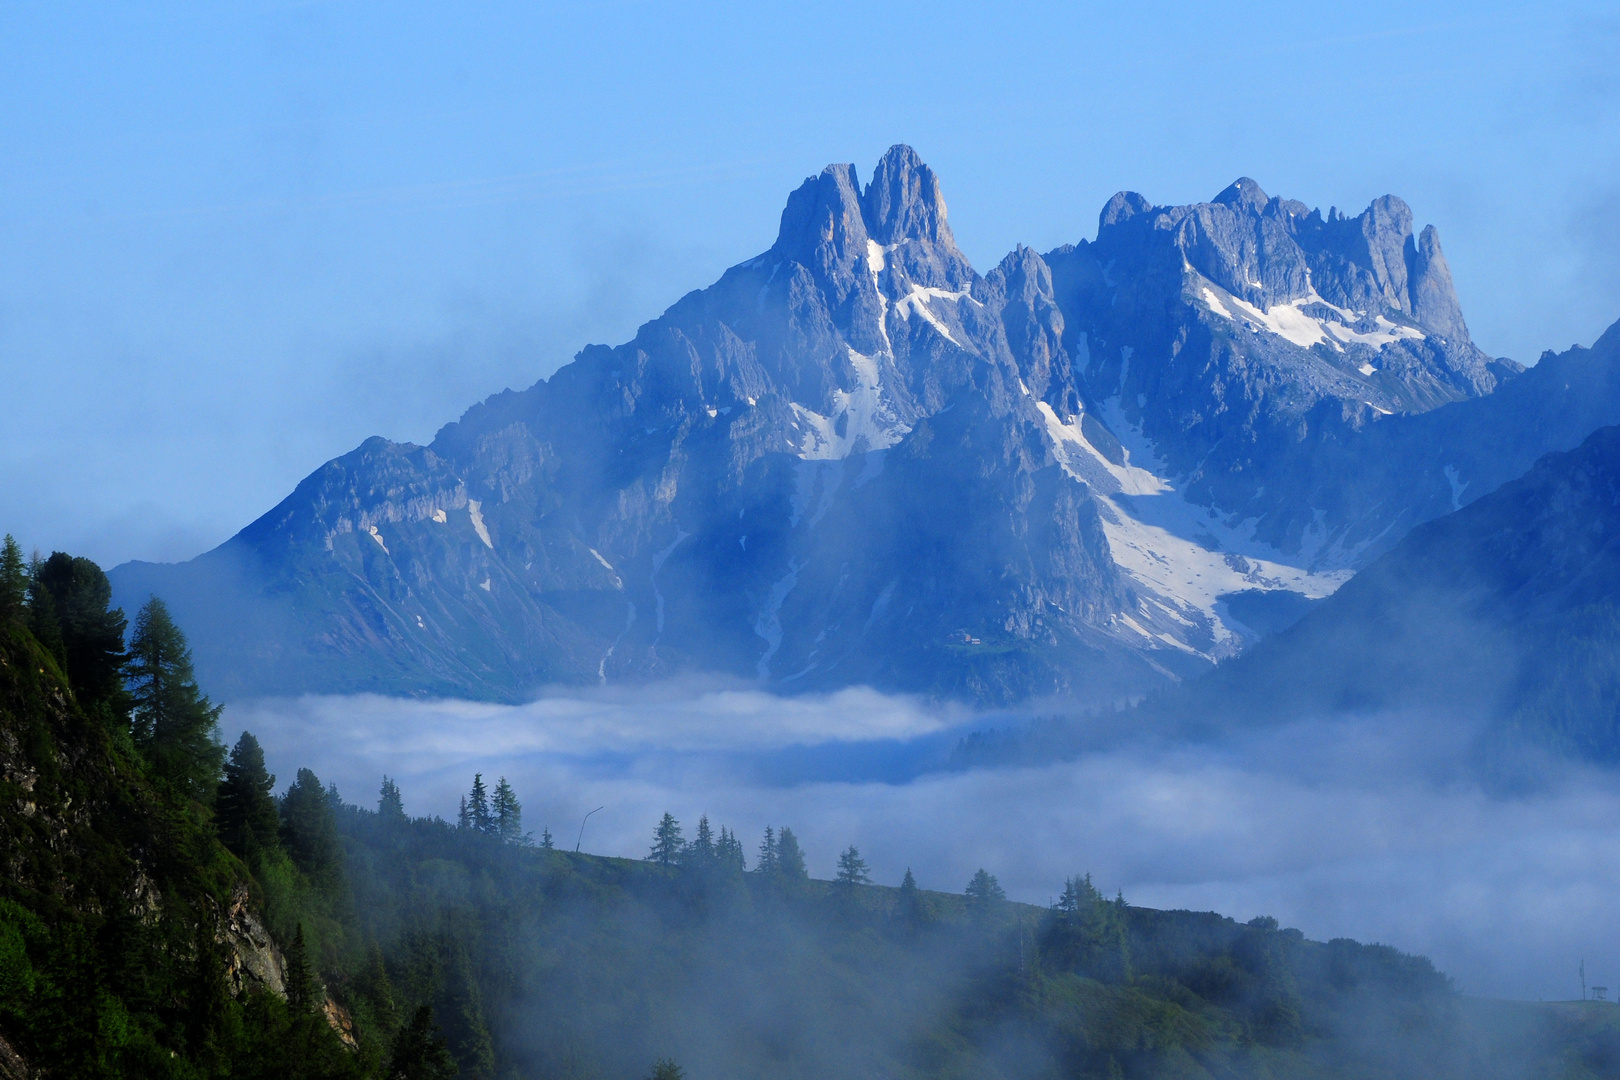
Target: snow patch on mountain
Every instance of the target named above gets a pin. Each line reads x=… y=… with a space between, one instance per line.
x=1458 y=486
x=769 y=623
x=917 y=301
x=1184 y=556
x=475 y=511
x=657 y=565
x=1293 y=323
x=862 y=418
x=629 y=621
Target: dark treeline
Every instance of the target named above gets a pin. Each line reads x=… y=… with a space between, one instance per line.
x=418 y=948
x=126 y=837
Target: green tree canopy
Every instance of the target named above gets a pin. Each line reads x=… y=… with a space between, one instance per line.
x=701 y=852
x=304 y=993
x=1088 y=934
x=910 y=905
x=13 y=582
x=309 y=831
x=729 y=852
x=419 y=1051
x=789 y=859
x=175 y=726
x=70 y=613
x=390 y=804
x=666 y=1069
x=852 y=869
x=767 y=853
x=478 y=813
x=984 y=894
x=245 y=808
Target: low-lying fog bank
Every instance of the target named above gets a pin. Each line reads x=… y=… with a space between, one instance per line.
x=1366 y=830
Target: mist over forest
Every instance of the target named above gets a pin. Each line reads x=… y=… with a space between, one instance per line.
x=1377 y=829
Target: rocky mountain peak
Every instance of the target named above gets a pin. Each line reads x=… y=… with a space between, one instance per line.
x=1434 y=298
x=1124 y=204
x=1243 y=194
x=903 y=201
x=858 y=397
x=830 y=226
x=822 y=225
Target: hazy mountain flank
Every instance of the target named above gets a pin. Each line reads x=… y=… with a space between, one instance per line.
x=855 y=459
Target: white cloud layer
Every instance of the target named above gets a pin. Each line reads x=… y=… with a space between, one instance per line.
x=1366 y=830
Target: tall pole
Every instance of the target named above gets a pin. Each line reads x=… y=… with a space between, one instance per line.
x=587 y=817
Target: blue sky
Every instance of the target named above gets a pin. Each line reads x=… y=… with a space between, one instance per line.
x=236 y=239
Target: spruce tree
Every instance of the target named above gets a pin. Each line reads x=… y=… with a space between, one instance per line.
x=852 y=869
x=377 y=989
x=309 y=832
x=390 y=805
x=730 y=852
x=767 y=865
x=984 y=894
x=419 y=1051
x=463 y=816
x=303 y=989
x=43 y=622
x=73 y=595
x=910 y=906
x=245 y=810
x=176 y=728
x=667 y=846
x=666 y=1069
x=700 y=853
x=546 y=843
x=13 y=582
x=508 y=813
x=478 y=814
x=789 y=859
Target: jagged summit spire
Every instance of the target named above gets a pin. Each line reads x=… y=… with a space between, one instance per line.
x=904 y=202
x=825 y=209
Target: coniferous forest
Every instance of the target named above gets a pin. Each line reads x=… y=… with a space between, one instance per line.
x=170 y=909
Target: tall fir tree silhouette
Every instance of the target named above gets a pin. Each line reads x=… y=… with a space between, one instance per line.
x=478 y=812
x=390 y=804
x=507 y=813
x=667 y=846
x=244 y=809
x=176 y=728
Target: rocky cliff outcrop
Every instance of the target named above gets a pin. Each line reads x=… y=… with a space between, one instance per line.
x=12 y=1065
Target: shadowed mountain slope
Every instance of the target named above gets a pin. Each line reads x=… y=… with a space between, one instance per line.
x=1507 y=611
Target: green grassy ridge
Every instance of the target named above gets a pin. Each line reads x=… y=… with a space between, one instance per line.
x=560 y=964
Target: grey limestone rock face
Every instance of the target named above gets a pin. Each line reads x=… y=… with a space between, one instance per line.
x=1247 y=336
x=253 y=962
x=854 y=459
x=12 y=1065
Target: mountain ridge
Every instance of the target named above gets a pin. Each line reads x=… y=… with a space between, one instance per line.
x=855 y=459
